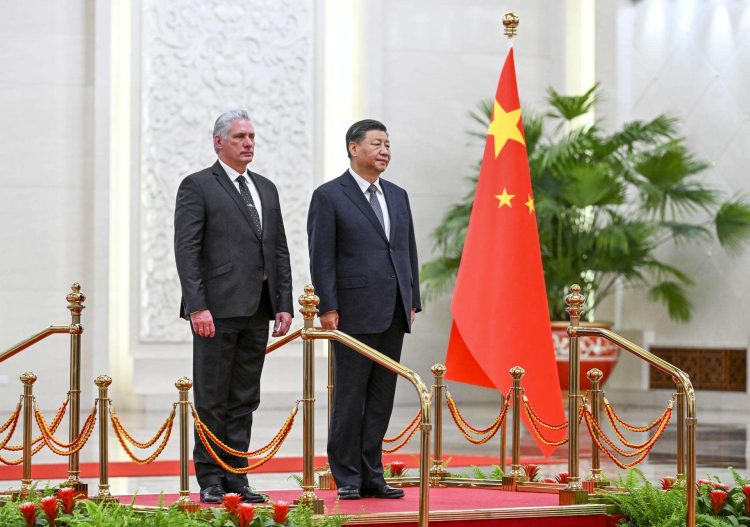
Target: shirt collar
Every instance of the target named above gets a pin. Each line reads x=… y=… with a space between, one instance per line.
x=232 y=173
x=363 y=183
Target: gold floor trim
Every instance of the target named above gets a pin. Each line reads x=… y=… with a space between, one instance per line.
x=483 y=514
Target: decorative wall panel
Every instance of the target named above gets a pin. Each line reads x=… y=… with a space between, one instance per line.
x=198 y=59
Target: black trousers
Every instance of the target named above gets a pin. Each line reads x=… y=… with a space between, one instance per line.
x=362 y=404
x=226 y=391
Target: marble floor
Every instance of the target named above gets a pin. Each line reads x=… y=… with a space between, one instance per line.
x=722 y=442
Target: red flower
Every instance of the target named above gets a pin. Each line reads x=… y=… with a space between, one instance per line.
x=232 y=502
x=718 y=498
x=67 y=497
x=550 y=480
x=666 y=483
x=746 y=492
x=721 y=486
x=531 y=471
x=280 y=511
x=49 y=506
x=562 y=477
x=245 y=514
x=28 y=509
x=397 y=468
x=705 y=482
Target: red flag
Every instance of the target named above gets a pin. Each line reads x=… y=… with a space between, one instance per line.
x=500 y=313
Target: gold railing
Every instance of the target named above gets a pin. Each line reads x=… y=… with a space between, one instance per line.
x=75 y=305
x=686 y=408
x=309 y=302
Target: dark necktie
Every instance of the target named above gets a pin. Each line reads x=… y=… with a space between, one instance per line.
x=248 y=199
x=375 y=204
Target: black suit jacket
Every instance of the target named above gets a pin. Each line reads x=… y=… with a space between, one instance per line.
x=220 y=258
x=355 y=269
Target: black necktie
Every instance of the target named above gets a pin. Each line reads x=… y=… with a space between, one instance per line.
x=248 y=199
x=375 y=204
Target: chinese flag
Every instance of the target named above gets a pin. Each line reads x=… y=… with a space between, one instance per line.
x=499 y=307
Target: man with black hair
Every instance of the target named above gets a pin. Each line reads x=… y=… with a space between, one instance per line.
x=363 y=263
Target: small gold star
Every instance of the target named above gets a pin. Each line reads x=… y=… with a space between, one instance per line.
x=530 y=204
x=505 y=198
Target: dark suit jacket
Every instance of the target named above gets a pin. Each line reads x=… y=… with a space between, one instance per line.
x=220 y=258
x=355 y=269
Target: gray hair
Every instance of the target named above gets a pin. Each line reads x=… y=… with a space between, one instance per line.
x=223 y=123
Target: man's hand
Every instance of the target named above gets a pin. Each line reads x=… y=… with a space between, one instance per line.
x=281 y=326
x=203 y=323
x=330 y=320
x=413 y=314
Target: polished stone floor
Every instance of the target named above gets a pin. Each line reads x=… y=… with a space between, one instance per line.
x=722 y=442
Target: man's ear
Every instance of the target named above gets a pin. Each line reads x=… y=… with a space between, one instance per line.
x=217 y=142
x=353 y=147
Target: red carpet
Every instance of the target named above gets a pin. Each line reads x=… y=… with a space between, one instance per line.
x=278 y=464
x=471 y=500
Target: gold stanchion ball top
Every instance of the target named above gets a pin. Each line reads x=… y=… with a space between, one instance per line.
x=574 y=300
x=183 y=384
x=103 y=381
x=517 y=372
x=439 y=369
x=309 y=302
x=595 y=374
x=75 y=298
x=510 y=25
x=28 y=378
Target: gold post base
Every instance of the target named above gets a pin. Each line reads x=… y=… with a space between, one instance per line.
x=573 y=497
x=105 y=499
x=186 y=504
x=309 y=499
x=326 y=481
x=511 y=481
x=595 y=481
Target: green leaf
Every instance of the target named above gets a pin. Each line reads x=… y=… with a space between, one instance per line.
x=568 y=107
x=673 y=295
x=733 y=224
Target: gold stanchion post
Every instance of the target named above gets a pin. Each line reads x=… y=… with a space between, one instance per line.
x=438 y=471
x=183 y=384
x=309 y=302
x=596 y=479
x=28 y=379
x=102 y=382
x=680 y=477
x=75 y=305
x=516 y=474
x=573 y=493
x=503 y=443
x=325 y=478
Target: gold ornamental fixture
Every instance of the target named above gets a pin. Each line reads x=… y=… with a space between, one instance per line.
x=510 y=25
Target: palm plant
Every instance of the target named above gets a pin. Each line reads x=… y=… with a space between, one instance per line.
x=605 y=202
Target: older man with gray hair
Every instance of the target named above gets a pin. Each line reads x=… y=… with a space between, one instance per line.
x=233 y=263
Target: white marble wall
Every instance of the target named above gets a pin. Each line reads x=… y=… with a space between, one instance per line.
x=46 y=100
x=689 y=59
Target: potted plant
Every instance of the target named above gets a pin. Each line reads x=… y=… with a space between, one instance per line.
x=605 y=202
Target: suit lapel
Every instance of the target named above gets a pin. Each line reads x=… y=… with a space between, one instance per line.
x=354 y=193
x=228 y=186
x=393 y=204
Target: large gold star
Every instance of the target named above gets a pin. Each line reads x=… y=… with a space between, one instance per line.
x=530 y=204
x=505 y=198
x=504 y=127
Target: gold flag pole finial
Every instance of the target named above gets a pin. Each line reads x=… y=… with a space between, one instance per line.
x=510 y=23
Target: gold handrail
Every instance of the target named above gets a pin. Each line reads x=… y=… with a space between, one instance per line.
x=283 y=341
x=72 y=329
x=424 y=394
x=682 y=380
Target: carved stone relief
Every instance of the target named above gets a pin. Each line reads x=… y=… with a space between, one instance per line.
x=198 y=59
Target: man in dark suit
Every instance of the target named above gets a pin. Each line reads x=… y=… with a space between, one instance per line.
x=363 y=262
x=233 y=262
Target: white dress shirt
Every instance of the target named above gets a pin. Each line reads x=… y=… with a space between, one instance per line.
x=364 y=185
x=233 y=174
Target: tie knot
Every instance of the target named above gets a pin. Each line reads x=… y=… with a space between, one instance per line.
x=372 y=189
x=240 y=178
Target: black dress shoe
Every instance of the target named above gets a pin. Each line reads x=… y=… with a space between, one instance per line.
x=212 y=494
x=348 y=493
x=384 y=492
x=248 y=496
